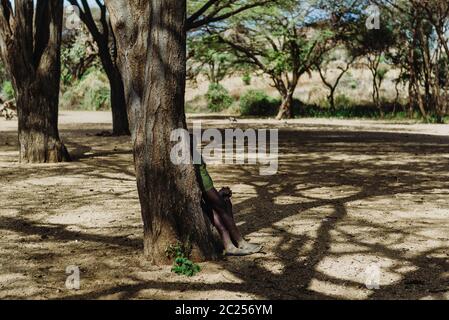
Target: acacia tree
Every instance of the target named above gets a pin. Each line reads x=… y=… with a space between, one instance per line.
x=79 y=54
x=437 y=13
x=105 y=40
x=208 y=57
x=374 y=45
x=283 y=42
x=422 y=52
x=407 y=53
x=377 y=66
x=30 y=44
x=432 y=29
x=342 y=68
x=151 y=47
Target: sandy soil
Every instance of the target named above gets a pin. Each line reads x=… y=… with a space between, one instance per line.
x=349 y=196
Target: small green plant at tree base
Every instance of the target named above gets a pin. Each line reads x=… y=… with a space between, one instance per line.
x=218 y=98
x=182 y=265
x=185 y=267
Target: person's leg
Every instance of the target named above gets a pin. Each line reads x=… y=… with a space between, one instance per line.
x=222 y=231
x=229 y=246
x=241 y=242
x=222 y=205
x=224 y=209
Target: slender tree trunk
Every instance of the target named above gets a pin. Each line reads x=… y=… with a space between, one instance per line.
x=414 y=75
x=286 y=108
x=331 y=99
x=376 y=97
x=411 y=99
x=120 y=123
x=420 y=100
x=151 y=38
x=107 y=49
x=411 y=84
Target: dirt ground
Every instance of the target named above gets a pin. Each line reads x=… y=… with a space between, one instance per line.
x=350 y=196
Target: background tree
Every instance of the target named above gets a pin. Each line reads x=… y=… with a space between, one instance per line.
x=208 y=57
x=406 y=53
x=336 y=62
x=30 y=43
x=432 y=26
x=374 y=45
x=78 y=56
x=282 y=42
x=105 y=40
x=376 y=64
x=421 y=52
x=345 y=61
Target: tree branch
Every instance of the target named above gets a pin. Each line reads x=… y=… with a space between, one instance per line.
x=215 y=16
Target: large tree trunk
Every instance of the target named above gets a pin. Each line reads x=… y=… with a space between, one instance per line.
x=37 y=111
x=153 y=66
x=286 y=108
x=31 y=51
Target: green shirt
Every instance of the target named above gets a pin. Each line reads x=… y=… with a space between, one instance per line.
x=206 y=180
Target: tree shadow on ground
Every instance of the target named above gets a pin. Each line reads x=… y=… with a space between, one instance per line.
x=373 y=165
x=394 y=165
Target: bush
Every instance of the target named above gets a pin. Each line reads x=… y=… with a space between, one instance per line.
x=346 y=112
x=343 y=102
x=8 y=90
x=258 y=103
x=247 y=79
x=218 y=98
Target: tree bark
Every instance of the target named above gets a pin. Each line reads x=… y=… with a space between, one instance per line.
x=130 y=25
x=106 y=43
x=331 y=99
x=120 y=123
x=37 y=112
x=153 y=65
x=286 y=108
x=31 y=51
x=376 y=96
